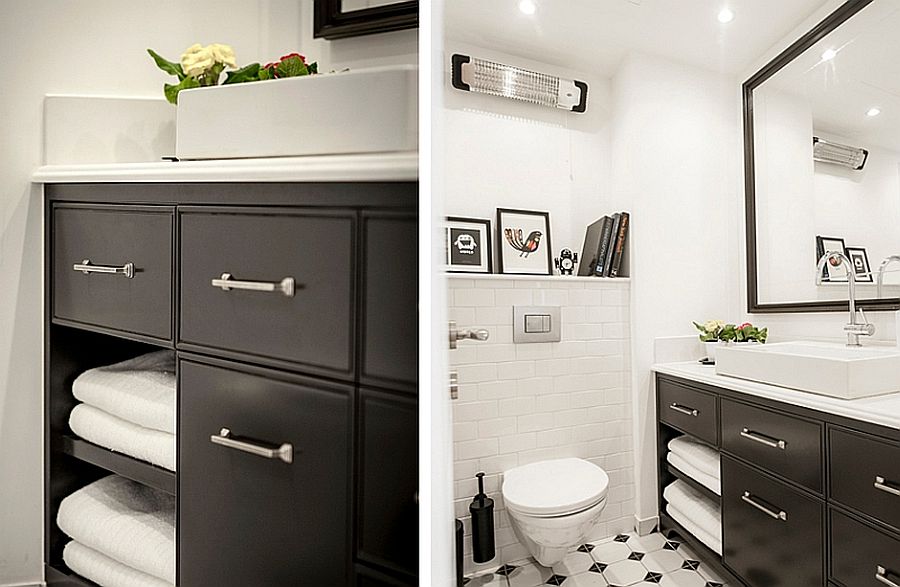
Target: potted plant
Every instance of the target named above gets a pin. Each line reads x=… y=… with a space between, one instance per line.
x=714 y=333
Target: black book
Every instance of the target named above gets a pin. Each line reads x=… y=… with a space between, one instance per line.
x=588 y=260
x=620 y=244
x=613 y=235
x=605 y=238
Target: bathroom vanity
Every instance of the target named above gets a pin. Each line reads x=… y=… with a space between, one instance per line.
x=291 y=307
x=810 y=484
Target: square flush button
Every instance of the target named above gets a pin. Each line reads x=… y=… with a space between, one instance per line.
x=534 y=323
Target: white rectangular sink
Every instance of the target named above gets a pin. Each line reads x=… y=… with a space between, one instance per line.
x=826 y=369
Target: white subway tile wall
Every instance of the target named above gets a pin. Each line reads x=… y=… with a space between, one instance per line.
x=521 y=403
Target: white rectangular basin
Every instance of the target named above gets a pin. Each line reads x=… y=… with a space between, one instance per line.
x=371 y=110
x=826 y=369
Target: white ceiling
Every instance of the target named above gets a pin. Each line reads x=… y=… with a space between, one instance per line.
x=594 y=35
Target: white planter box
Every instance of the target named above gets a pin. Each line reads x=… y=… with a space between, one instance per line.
x=363 y=111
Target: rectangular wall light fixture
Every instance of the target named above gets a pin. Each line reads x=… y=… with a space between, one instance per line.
x=828 y=152
x=472 y=74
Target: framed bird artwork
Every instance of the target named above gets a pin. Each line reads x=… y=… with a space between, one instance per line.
x=523 y=242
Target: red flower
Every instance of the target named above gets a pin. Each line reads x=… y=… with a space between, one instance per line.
x=744 y=325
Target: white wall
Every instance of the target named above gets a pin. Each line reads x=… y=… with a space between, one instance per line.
x=674 y=161
x=507 y=154
x=522 y=403
x=99 y=47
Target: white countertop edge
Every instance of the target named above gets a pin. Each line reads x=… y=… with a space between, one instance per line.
x=528 y=277
x=883 y=410
x=326 y=168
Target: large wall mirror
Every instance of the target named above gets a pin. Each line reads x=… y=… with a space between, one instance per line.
x=822 y=164
x=338 y=19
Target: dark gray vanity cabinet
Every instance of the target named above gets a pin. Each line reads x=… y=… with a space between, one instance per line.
x=292 y=310
x=809 y=498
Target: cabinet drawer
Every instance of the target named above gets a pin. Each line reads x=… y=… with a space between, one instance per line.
x=245 y=519
x=689 y=410
x=772 y=534
x=284 y=285
x=388 y=512
x=859 y=553
x=124 y=254
x=783 y=444
x=865 y=474
x=390 y=294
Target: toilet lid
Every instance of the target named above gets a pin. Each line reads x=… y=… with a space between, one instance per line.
x=554 y=487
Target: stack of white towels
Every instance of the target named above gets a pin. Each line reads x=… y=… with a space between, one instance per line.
x=123 y=533
x=129 y=407
x=698 y=514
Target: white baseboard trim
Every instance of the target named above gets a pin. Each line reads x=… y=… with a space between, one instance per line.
x=645 y=526
x=41 y=584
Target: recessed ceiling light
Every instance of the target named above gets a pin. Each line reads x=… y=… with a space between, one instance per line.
x=829 y=54
x=726 y=15
x=873 y=111
x=527 y=6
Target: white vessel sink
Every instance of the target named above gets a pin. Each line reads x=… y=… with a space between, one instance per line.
x=827 y=369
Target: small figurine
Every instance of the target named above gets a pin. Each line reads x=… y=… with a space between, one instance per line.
x=565 y=263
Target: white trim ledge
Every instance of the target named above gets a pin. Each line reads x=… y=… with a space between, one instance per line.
x=883 y=410
x=526 y=277
x=327 y=168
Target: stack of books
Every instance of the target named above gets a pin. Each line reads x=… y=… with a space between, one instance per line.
x=604 y=246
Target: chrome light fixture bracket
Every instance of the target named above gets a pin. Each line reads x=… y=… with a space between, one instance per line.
x=473 y=74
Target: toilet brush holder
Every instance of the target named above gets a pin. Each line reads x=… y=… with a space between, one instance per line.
x=482 y=511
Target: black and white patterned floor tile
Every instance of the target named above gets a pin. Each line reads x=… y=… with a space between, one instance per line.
x=628 y=560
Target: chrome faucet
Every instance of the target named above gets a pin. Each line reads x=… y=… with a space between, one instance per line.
x=853 y=329
x=881 y=268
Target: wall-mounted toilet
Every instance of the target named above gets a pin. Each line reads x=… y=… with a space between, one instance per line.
x=554 y=504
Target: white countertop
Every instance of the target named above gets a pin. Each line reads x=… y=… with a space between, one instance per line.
x=326 y=168
x=883 y=410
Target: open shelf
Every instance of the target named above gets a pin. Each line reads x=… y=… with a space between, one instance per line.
x=706 y=491
x=58 y=576
x=123 y=465
x=667 y=524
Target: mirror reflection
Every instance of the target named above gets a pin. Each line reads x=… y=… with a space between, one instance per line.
x=827 y=163
x=354 y=5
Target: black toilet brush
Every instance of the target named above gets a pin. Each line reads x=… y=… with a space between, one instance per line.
x=482 y=510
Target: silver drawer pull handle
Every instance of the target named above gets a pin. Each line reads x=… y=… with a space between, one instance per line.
x=285 y=452
x=882 y=485
x=763 y=439
x=780 y=515
x=684 y=410
x=87 y=268
x=227 y=282
x=881 y=576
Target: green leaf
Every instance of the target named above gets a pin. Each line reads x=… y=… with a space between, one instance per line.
x=291 y=67
x=166 y=65
x=313 y=67
x=248 y=73
x=263 y=74
x=171 y=91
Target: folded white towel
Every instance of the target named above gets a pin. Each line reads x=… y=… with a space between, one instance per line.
x=702 y=511
x=126 y=521
x=140 y=390
x=713 y=542
x=714 y=484
x=120 y=436
x=105 y=571
x=698 y=454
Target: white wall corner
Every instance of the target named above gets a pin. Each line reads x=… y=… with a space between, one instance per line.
x=644 y=526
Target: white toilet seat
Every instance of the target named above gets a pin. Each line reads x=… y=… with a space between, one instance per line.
x=554 y=488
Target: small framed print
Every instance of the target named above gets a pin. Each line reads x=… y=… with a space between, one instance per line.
x=468 y=244
x=523 y=242
x=832 y=272
x=860 y=262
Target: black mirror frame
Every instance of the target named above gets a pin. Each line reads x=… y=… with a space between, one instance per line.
x=331 y=23
x=833 y=21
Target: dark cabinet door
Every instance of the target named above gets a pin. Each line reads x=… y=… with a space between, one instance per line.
x=126 y=279
x=772 y=534
x=390 y=294
x=388 y=482
x=246 y=519
x=783 y=444
x=865 y=474
x=862 y=556
x=311 y=325
x=689 y=410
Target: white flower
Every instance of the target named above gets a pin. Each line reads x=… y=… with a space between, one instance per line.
x=198 y=60
x=713 y=325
